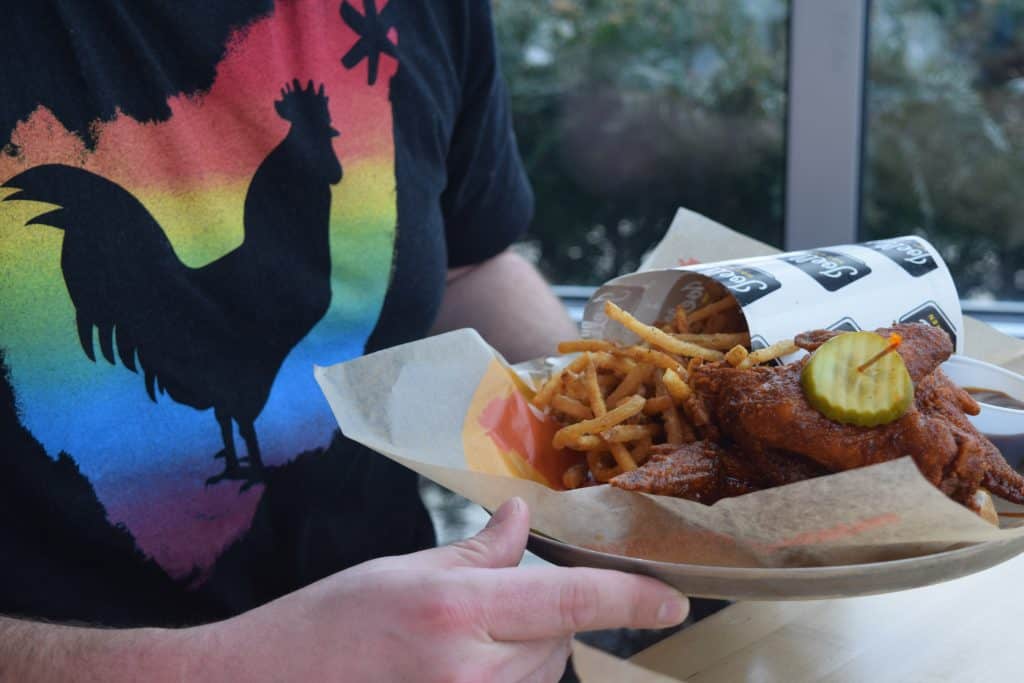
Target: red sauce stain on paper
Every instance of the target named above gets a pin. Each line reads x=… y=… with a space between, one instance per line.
x=515 y=427
x=834 y=533
x=683 y=545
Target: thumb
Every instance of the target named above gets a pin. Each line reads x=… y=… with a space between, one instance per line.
x=499 y=544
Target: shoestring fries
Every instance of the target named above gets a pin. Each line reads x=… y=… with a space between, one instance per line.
x=656 y=337
x=619 y=403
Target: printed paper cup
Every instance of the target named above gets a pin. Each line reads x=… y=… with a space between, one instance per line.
x=850 y=287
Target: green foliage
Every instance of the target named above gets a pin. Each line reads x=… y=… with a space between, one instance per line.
x=945 y=143
x=627 y=109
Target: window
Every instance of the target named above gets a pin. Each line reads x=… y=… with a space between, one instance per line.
x=628 y=109
x=944 y=135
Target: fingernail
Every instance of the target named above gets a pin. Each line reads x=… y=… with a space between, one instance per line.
x=673 y=612
x=504 y=512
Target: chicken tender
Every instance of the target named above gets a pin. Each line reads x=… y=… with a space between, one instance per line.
x=764 y=409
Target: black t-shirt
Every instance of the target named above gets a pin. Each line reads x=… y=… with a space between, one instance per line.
x=231 y=192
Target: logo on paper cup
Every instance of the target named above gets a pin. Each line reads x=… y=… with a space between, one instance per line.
x=844 y=325
x=624 y=296
x=832 y=270
x=908 y=253
x=689 y=291
x=746 y=283
x=930 y=313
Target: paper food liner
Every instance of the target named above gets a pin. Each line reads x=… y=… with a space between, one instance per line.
x=449 y=408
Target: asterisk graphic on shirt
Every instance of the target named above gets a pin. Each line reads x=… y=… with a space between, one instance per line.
x=372 y=28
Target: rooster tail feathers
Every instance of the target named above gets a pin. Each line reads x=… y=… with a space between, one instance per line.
x=85 y=336
x=110 y=335
x=150 y=381
x=125 y=347
x=106 y=335
x=121 y=272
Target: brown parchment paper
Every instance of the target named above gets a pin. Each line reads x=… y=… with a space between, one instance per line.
x=409 y=403
x=413 y=403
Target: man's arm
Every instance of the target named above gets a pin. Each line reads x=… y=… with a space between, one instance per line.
x=39 y=651
x=510 y=304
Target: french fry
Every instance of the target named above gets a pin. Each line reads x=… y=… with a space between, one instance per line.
x=630 y=383
x=641 y=451
x=680 y=321
x=673 y=424
x=618 y=415
x=656 y=358
x=580 y=363
x=624 y=403
x=677 y=388
x=571 y=407
x=616 y=363
x=580 y=345
x=602 y=466
x=711 y=309
x=658 y=404
x=554 y=384
x=627 y=433
x=576 y=388
x=656 y=337
x=696 y=412
x=776 y=350
x=722 y=341
x=594 y=396
x=713 y=323
x=736 y=355
x=622 y=456
x=588 y=442
x=608 y=383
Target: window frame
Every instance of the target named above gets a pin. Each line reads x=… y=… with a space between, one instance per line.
x=826 y=116
x=828 y=52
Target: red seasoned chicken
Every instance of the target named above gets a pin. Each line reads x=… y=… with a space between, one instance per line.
x=763 y=409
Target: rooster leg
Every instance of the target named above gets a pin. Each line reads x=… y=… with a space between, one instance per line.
x=254 y=473
x=252 y=446
x=232 y=470
x=228 y=437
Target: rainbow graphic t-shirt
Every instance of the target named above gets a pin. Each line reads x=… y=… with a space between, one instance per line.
x=196 y=206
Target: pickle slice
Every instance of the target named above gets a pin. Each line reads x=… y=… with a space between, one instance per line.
x=833 y=385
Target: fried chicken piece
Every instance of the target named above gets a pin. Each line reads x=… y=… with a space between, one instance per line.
x=938 y=396
x=764 y=409
x=702 y=471
x=778 y=468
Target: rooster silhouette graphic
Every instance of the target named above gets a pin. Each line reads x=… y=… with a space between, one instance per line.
x=215 y=336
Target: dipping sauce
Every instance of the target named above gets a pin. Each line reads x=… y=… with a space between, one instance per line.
x=994 y=398
x=1012 y=448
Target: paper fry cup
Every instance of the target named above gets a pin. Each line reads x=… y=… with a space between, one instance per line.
x=848 y=288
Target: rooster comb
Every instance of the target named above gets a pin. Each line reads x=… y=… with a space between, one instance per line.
x=302 y=102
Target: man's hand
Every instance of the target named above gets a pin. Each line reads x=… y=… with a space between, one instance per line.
x=459 y=613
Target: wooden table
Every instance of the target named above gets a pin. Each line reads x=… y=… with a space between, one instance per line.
x=970 y=629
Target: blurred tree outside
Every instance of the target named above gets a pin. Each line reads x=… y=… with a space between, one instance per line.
x=628 y=109
x=945 y=135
